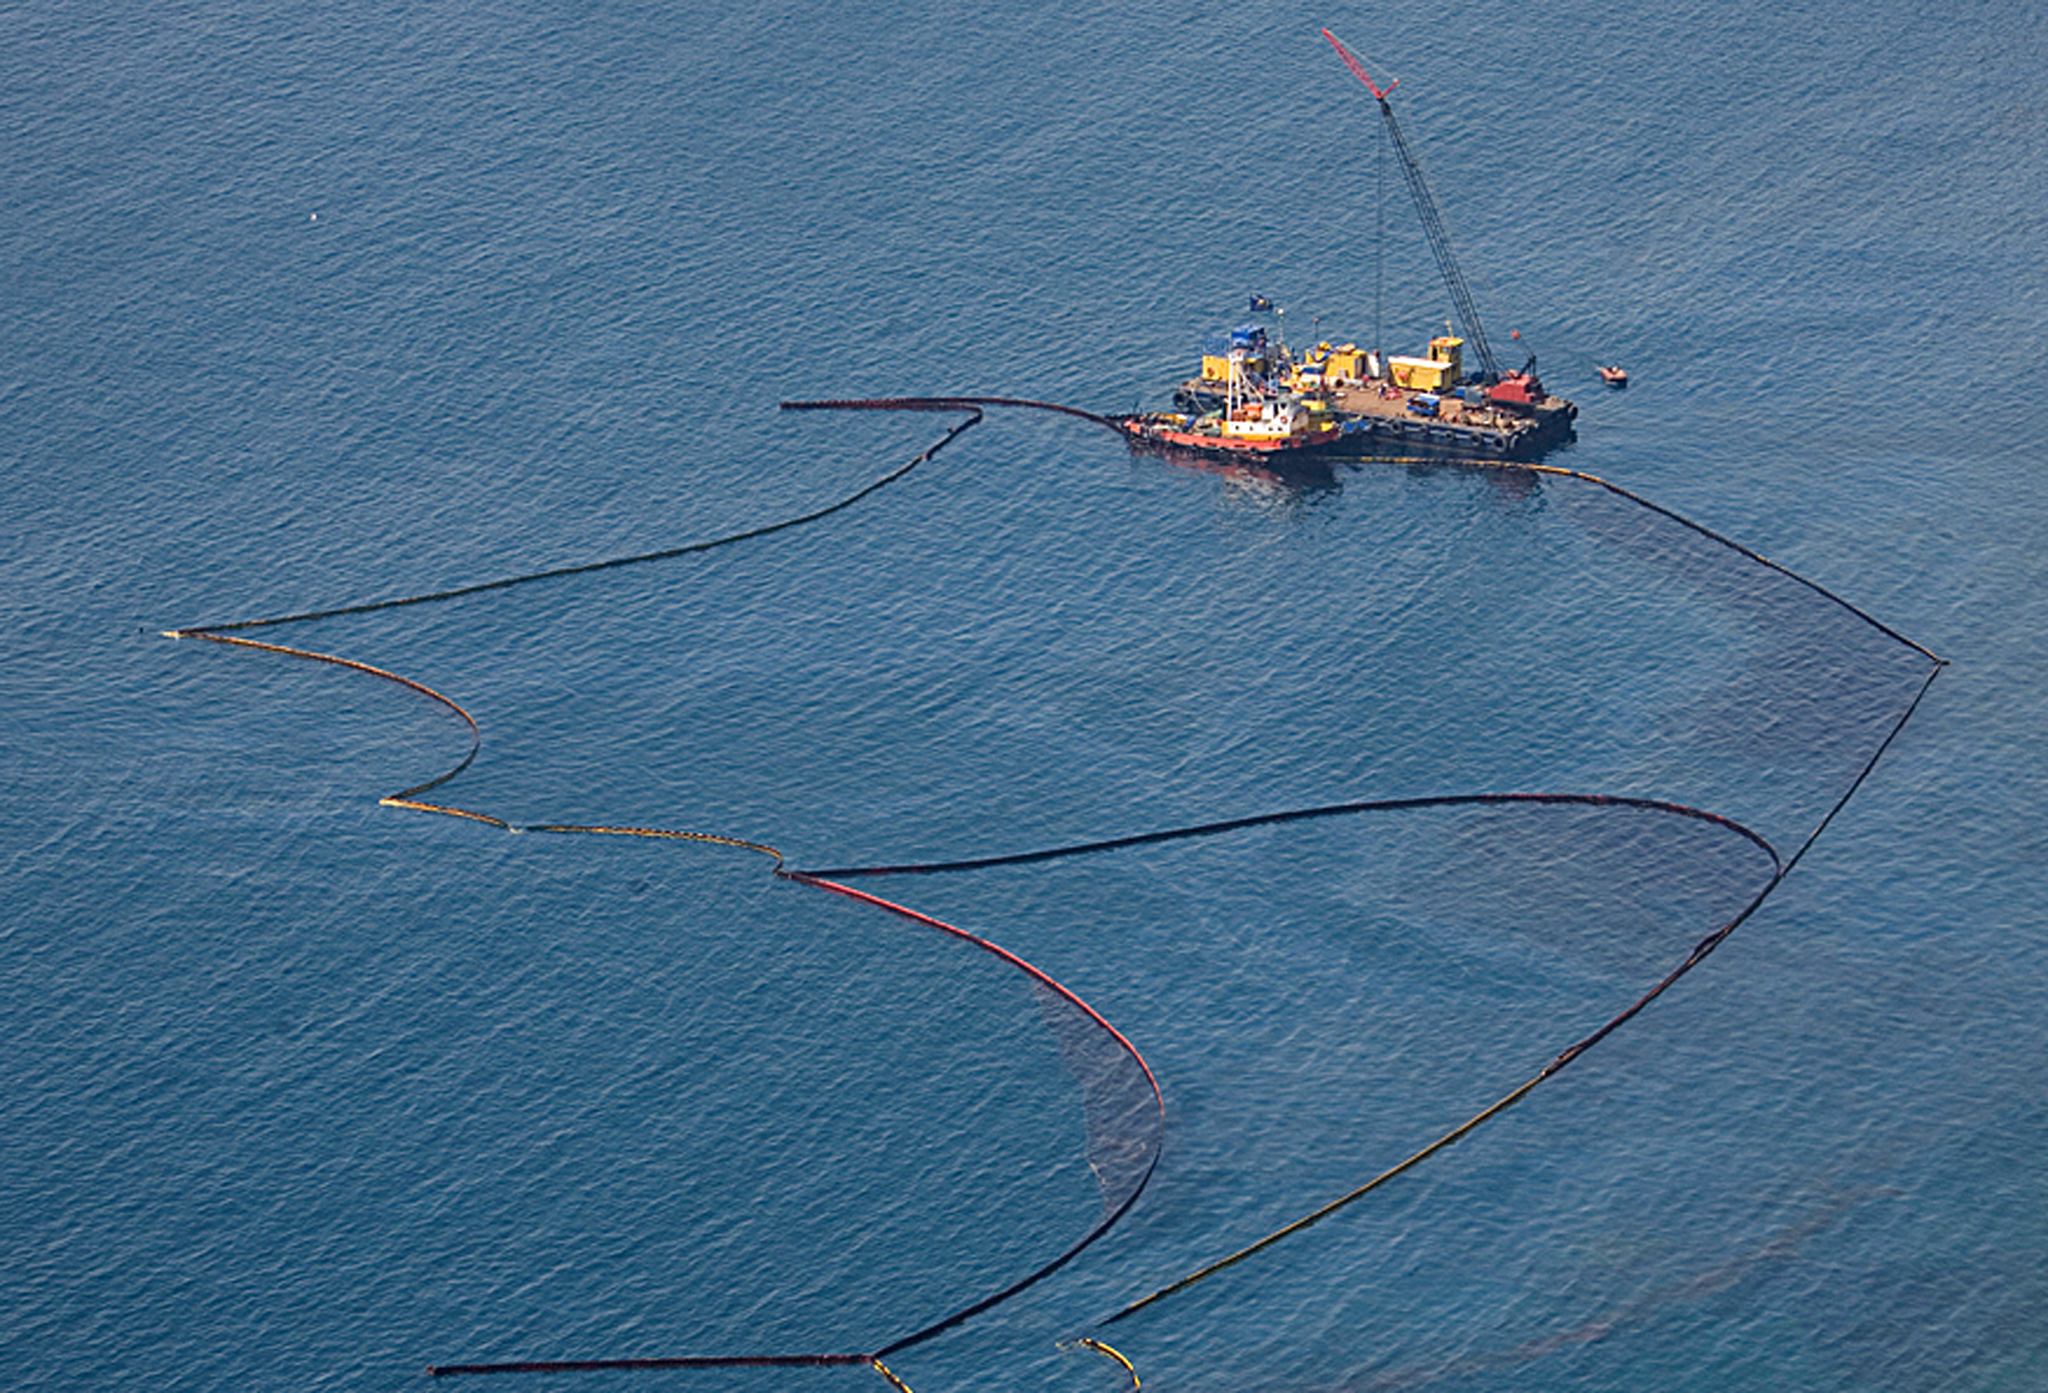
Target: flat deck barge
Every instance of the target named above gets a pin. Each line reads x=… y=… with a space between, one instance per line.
x=1397 y=407
x=1380 y=421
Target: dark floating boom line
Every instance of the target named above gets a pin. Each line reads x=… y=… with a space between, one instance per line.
x=615 y=563
x=1119 y=1198
x=1369 y=805
x=1698 y=955
x=227 y=634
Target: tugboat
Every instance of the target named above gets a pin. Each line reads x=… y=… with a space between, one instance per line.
x=1247 y=421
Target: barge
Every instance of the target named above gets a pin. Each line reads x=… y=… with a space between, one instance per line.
x=1386 y=405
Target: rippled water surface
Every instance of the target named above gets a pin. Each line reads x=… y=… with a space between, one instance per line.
x=305 y=309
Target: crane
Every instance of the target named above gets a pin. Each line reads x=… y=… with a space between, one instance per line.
x=1432 y=221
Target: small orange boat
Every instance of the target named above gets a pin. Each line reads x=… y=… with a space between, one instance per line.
x=1615 y=376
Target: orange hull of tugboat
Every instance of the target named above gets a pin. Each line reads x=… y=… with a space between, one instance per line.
x=1166 y=431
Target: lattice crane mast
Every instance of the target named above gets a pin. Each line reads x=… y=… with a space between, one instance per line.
x=1432 y=221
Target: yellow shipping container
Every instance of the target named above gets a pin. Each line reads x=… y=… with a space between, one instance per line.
x=1422 y=374
x=1214 y=368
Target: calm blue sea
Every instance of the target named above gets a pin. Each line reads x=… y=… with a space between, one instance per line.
x=305 y=306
